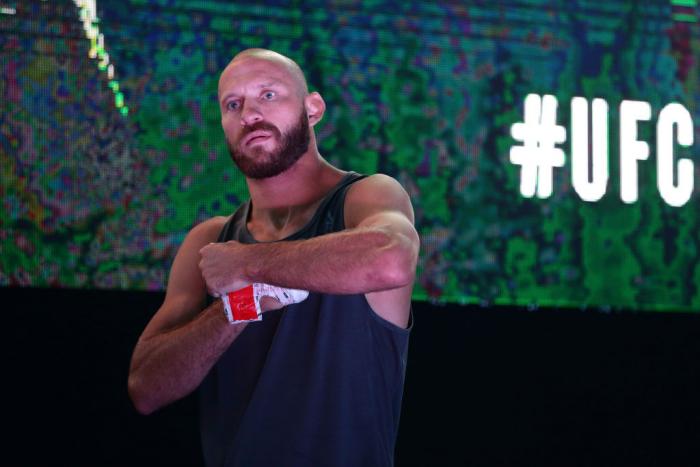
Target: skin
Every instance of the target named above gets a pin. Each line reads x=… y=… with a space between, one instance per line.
x=376 y=255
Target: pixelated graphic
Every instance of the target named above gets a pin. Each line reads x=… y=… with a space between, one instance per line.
x=97 y=197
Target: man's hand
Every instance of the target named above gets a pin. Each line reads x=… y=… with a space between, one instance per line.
x=223 y=270
x=223 y=267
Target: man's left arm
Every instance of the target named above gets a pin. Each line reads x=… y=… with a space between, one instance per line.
x=375 y=255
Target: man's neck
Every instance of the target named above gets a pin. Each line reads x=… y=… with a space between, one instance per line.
x=290 y=198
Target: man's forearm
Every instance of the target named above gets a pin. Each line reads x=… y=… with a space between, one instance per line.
x=357 y=260
x=169 y=366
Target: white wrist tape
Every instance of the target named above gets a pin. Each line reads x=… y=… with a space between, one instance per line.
x=244 y=304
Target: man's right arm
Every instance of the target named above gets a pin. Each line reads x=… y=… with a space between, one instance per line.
x=182 y=342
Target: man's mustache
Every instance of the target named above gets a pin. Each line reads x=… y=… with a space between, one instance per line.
x=261 y=125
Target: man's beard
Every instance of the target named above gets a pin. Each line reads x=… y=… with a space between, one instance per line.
x=258 y=163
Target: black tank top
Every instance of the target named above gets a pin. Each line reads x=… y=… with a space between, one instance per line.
x=315 y=384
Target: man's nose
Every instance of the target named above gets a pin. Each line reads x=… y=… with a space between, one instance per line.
x=250 y=114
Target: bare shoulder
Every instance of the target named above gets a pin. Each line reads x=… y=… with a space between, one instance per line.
x=207 y=230
x=373 y=194
x=377 y=184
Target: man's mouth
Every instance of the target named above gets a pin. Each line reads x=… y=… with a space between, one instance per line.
x=256 y=137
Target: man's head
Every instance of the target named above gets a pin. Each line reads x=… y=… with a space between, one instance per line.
x=267 y=112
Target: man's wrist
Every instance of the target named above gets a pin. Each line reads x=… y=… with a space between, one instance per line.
x=252 y=265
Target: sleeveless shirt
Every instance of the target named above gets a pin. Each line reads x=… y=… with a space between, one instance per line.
x=314 y=384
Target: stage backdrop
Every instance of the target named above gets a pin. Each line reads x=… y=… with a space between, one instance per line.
x=550 y=148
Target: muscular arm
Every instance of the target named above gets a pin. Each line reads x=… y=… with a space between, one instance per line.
x=376 y=255
x=181 y=342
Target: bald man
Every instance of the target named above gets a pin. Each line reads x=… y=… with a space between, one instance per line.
x=314 y=383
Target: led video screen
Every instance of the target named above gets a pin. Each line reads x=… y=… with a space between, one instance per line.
x=550 y=149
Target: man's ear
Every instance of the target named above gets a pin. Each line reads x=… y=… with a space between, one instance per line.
x=315 y=107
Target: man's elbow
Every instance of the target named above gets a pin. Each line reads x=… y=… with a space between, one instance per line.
x=397 y=265
x=139 y=396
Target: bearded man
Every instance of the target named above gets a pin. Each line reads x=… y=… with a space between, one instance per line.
x=329 y=256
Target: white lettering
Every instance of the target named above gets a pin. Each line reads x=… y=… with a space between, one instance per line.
x=589 y=184
x=675 y=195
x=631 y=149
x=538 y=154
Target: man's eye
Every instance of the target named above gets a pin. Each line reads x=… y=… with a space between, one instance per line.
x=232 y=105
x=268 y=95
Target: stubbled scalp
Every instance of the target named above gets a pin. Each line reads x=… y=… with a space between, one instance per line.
x=265 y=54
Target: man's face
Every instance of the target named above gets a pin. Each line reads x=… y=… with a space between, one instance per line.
x=256 y=161
x=263 y=117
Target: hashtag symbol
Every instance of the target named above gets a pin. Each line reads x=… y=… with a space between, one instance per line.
x=538 y=155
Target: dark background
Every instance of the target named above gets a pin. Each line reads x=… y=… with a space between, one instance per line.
x=484 y=387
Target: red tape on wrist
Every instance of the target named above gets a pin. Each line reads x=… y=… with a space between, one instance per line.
x=240 y=305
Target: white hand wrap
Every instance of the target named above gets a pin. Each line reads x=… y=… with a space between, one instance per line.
x=244 y=304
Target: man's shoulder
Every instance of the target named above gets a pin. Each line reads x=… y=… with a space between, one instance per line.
x=212 y=222
x=374 y=188
x=209 y=229
x=375 y=194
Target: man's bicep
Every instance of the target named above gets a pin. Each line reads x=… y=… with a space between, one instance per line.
x=395 y=221
x=186 y=291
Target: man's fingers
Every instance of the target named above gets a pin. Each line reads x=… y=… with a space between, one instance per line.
x=269 y=303
x=201 y=250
